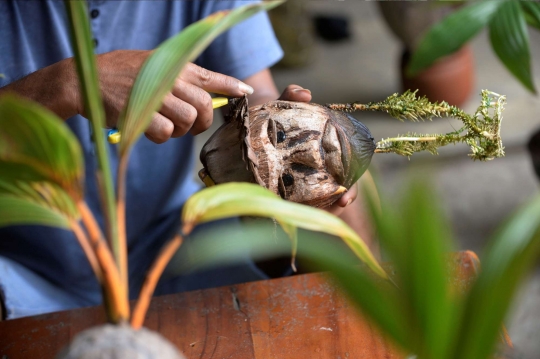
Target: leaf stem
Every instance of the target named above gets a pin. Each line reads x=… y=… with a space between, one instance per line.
x=121 y=216
x=87 y=249
x=115 y=289
x=149 y=285
x=88 y=76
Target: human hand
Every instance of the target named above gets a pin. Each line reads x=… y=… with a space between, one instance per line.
x=295 y=93
x=186 y=108
x=345 y=200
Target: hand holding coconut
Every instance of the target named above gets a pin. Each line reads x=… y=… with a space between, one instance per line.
x=187 y=108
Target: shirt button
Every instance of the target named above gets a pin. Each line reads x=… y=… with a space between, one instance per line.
x=96 y=42
x=94 y=13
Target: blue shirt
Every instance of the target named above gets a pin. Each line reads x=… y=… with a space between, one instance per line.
x=34 y=35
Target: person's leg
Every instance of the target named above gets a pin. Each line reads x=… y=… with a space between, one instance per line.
x=24 y=293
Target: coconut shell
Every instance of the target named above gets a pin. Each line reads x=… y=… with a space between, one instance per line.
x=305 y=152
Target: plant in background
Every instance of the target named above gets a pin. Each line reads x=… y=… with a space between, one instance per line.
x=42 y=171
x=507 y=22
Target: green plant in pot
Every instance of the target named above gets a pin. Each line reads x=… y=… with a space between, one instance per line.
x=42 y=171
x=438 y=59
x=506 y=21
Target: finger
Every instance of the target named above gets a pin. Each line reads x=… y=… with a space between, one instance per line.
x=334 y=209
x=182 y=114
x=201 y=103
x=160 y=129
x=348 y=197
x=214 y=82
x=296 y=93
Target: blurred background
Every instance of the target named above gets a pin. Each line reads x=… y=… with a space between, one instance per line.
x=345 y=51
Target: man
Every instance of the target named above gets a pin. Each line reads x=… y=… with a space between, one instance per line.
x=43 y=269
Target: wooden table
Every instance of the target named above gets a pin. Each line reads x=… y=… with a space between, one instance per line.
x=302 y=316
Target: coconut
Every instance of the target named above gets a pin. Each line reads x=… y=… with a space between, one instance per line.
x=304 y=152
x=119 y=342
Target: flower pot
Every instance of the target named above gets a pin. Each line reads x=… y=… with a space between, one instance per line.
x=450 y=79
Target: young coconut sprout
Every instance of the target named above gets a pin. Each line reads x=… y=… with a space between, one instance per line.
x=42 y=182
x=42 y=177
x=311 y=154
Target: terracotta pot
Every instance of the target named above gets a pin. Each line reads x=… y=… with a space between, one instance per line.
x=450 y=79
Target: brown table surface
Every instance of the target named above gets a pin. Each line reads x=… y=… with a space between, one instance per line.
x=302 y=316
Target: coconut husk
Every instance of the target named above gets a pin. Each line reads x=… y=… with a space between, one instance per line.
x=304 y=152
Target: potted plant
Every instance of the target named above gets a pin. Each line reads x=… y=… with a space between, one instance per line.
x=442 y=40
x=507 y=23
x=42 y=168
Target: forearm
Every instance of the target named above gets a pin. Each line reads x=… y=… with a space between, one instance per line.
x=55 y=87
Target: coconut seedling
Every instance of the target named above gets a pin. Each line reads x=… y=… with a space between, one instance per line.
x=312 y=154
x=42 y=172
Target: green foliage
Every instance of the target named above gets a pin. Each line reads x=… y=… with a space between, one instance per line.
x=532 y=13
x=510 y=41
x=450 y=34
x=35 y=145
x=40 y=203
x=41 y=166
x=506 y=20
x=513 y=252
x=19 y=211
x=246 y=199
x=83 y=48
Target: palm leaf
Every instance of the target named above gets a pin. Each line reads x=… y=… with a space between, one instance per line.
x=512 y=254
x=20 y=211
x=46 y=196
x=35 y=145
x=245 y=199
x=83 y=49
x=415 y=239
x=510 y=41
x=160 y=70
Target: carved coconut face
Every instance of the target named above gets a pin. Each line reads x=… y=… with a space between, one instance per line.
x=298 y=152
x=306 y=153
